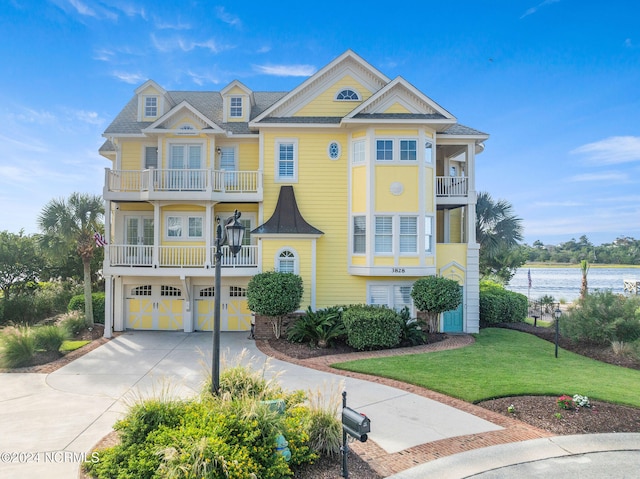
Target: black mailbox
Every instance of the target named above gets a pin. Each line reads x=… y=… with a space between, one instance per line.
x=355 y=424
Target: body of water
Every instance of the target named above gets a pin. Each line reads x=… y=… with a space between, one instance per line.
x=565 y=283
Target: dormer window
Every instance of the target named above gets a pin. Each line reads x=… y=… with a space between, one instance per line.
x=235 y=106
x=151 y=106
x=348 y=95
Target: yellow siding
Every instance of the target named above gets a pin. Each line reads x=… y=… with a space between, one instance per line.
x=248 y=156
x=131 y=155
x=409 y=261
x=358 y=134
x=359 y=189
x=397 y=108
x=236 y=91
x=455 y=225
x=325 y=104
x=322 y=194
x=384 y=261
x=185 y=208
x=408 y=177
x=135 y=207
x=446 y=253
x=429 y=197
x=359 y=260
x=303 y=249
x=150 y=90
x=386 y=132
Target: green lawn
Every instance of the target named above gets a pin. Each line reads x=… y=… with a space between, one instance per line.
x=71 y=345
x=506 y=363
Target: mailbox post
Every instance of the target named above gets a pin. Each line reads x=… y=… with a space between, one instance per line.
x=354 y=424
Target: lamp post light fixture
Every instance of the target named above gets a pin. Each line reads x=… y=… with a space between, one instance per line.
x=556 y=314
x=232 y=234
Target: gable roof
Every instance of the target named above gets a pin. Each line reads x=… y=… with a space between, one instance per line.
x=286 y=218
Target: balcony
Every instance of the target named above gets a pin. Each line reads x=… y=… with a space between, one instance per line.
x=452 y=190
x=182 y=184
x=126 y=259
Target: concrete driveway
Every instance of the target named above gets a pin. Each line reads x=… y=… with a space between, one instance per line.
x=50 y=421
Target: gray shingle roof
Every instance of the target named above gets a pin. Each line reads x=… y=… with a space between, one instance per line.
x=459 y=129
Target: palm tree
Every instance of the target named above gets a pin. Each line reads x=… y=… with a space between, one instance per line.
x=499 y=231
x=71 y=224
x=584 y=288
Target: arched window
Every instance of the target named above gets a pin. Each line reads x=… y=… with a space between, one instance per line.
x=286 y=261
x=348 y=95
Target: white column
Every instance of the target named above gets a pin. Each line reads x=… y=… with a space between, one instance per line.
x=108 y=306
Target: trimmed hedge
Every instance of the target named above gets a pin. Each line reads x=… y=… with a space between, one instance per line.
x=498 y=305
x=372 y=327
x=97 y=299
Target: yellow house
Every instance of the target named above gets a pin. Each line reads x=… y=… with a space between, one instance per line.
x=359 y=183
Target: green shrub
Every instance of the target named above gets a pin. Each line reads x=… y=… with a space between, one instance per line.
x=435 y=295
x=372 y=327
x=599 y=317
x=413 y=329
x=274 y=294
x=498 y=305
x=627 y=329
x=321 y=327
x=19 y=309
x=97 y=300
x=17 y=347
x=49 y=338
x=73 y=322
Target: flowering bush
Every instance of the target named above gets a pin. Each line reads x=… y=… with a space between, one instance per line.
x=581 y=401
x=565 y=402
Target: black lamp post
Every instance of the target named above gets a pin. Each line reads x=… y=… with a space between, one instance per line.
x=556 y=314
x=232 y=234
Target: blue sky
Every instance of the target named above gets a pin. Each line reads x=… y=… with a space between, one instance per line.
x=556 y=83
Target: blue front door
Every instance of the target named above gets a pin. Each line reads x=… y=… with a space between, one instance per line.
x=452 y=320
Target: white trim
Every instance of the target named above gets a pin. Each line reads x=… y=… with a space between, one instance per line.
x=276 y=158
x=354 y=90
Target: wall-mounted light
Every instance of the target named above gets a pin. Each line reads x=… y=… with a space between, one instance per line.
x=219 y=151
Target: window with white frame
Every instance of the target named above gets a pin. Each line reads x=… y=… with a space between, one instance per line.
x=408 y=234
x=384 y=234
x=286 y=261
x=428 y=234
x=151 y=106
x=393 y=295
x=180 y=227
x=358 y=152
x=235 y=110
x=347 y=95
x=408 y=150
x=428 y=151
x=286 y=162
x=384 y=150
x=359 y=234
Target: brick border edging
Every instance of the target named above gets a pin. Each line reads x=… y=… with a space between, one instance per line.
x=387 y=464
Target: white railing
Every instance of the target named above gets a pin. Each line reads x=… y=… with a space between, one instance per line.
x=130 y=255
x=246 y=257
x=452 y=186
x=180 y=256
x=220 y=181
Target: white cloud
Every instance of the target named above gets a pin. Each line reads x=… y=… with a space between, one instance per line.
x=202 y=78
x=557 y=204
x=179 y=43
x=90 y=117
x=160 y=25
x=264 y=49
x=131 y=78
x=228 y=18
x=533 y=10
x=612 y=150
x=610 y=176
x=286 y=70
x=96 y=11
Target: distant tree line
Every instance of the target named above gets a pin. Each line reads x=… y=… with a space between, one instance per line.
x=623 y=250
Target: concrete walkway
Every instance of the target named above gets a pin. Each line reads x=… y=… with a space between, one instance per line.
x=48 y=422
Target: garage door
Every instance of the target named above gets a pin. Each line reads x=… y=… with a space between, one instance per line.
x=234 y=311
x=154 y=307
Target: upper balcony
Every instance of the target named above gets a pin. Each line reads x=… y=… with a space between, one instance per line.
x=182 y=184
x=452 y=190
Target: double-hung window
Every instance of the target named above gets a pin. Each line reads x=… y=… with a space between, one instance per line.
x=428 y=234
x=286 y=261
x=235 y=107
x=151 y=106
x=384 y=234
x=408 y=150
x=358 y=152
x=359 y=234
x=286 y=161
x=408 y=234
x=384 y=150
